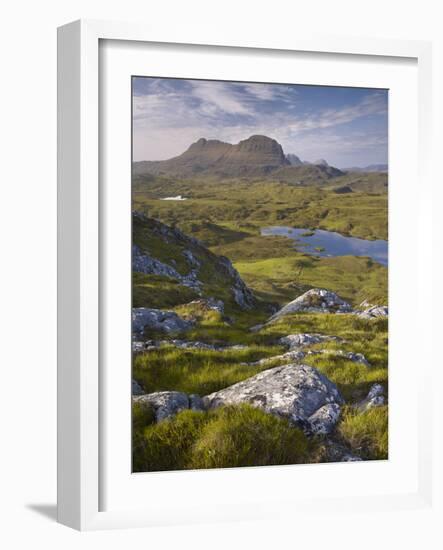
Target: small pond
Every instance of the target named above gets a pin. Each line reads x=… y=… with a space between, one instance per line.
x=328 y=243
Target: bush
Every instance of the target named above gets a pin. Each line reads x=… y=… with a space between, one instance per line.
x=167 y=445
x=223 y=438
x=246 y=436
x=366 y=433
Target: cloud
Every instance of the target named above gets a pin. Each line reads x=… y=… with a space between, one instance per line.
x=170 y=114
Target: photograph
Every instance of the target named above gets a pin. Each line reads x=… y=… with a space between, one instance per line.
x=259 y=274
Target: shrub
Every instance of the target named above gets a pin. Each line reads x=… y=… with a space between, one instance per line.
x=366 y=433
x=246 y=436
x=223 y=438
x=167 y=445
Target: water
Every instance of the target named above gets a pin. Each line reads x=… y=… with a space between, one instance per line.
x=329 y=243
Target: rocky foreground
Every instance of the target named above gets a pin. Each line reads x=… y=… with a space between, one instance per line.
x=286 y=387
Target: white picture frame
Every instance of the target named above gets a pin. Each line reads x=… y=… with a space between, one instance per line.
x=80 y=211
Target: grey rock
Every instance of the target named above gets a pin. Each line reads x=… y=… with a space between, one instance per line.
x=316 y=300
x=323 y=421
x=144 y=263
x=375 y=398
x=196 y=403
x=300 y=340
x=157 y=319
x=241 y=293
x=191 y=259
x=337 y=452
x=164 y=403
x=373 y=312
x=209 y=304
x=297 y=392
x=136 y=388
x=148 y=345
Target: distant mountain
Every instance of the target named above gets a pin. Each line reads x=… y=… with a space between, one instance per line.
x=255 y=156
x=370 y=168
x=321 y=162
x=294 y=160
x=306 y=174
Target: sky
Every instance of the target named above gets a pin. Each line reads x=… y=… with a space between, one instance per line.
x=346 y=126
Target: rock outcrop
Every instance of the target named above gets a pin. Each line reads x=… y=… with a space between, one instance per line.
x=185 y=260
x=164 y=403
x=375 y=398
x=316 y=300
x=373 y=312
x=299 y=393
x=303 y=339
x=157 y=320
x=140 y=346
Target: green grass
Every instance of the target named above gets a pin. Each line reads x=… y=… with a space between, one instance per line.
x=224 y=438
x=254 y=203
x=281 y=279
x=160 y=292
x=366 y=433
x=197 y=371
x=360 y=336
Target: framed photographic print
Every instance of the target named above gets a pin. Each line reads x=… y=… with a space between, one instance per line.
x=238 y=228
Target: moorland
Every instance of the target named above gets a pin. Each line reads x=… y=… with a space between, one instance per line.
x=208 y=293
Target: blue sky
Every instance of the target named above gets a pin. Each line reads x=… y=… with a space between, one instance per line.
x=345 y=126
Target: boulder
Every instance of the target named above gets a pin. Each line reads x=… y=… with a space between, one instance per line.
x=164 y=403
x=300 y=340
x=196 y=403
x=316 y=300
x=375 y=398
x=157 y=320
x=374 y=312
x=299 y=393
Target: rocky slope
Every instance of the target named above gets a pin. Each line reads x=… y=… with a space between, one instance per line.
x=169 y=254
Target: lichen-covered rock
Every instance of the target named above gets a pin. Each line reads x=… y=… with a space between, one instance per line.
x=375 y=398
x=316 y=300
x=144 y=263
x=164 y=403
x=136 y=388
x=196 y=403
x=148 y=345
x=297 y=341
x=374 y=312
x=157 y=320
x=297 y=392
